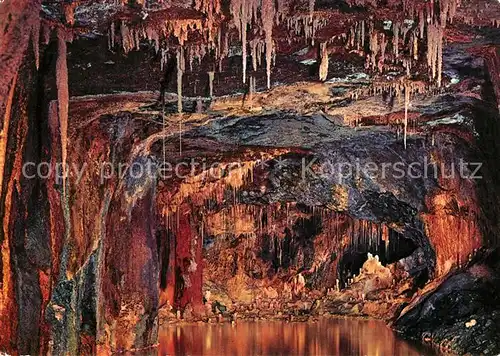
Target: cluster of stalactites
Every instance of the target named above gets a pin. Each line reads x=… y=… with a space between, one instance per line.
x=263 y=14
x=404 y=88
x=372 y=3
x=305 y=25
x=380 y=46
x=446 y=9
x=428 y=25
x=130 y=36
x=257 y=49
x=246 y=12
x=393 y=88
x=339 y=231
x=194 y=53
x=211 y=185
x=267 y=13
x=435 y=51
x=376 y=56
x=376 y=45
x=137 y=2
x=210 y=8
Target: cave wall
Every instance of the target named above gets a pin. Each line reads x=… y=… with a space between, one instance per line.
x=25 y=268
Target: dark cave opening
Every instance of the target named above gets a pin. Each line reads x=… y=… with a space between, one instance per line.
x=352 y=260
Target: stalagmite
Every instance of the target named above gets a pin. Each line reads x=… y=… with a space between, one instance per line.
x=323 y=68
x=63 y=98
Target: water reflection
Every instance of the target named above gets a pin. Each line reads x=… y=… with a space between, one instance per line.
x=325 y=337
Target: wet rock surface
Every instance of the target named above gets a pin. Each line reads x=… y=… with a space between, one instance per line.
x=460 y=314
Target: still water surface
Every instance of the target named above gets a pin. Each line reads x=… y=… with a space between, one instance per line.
x=343 y=337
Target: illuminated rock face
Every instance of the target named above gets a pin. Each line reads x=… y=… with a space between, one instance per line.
x=90 y=262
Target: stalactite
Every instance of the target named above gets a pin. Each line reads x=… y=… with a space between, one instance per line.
x=260 y=51
x=323 y=68
x=190 y=57
x=242 y=12
x=268 y=12
x=374 y=48
x=127 y=39
x=4 y=133
x=211 y=83
x=63 y=98
x=439 y=56
x=112 y=35
x=210 y=8
x=164 y=58
x=415 y=47
x=69 y=12
x=363 y=34
x=395 y=40
x=421 y=25
x=137 y=40
x=305 y=24
x=244 y=26
x=383 y=46
x=431 y=49
x=253 y=53
x=407 y=103
x=35 y=37
x=282 y=8
x=435 y=51
x=180 y=73
x=46 y=31
x=251 y=89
